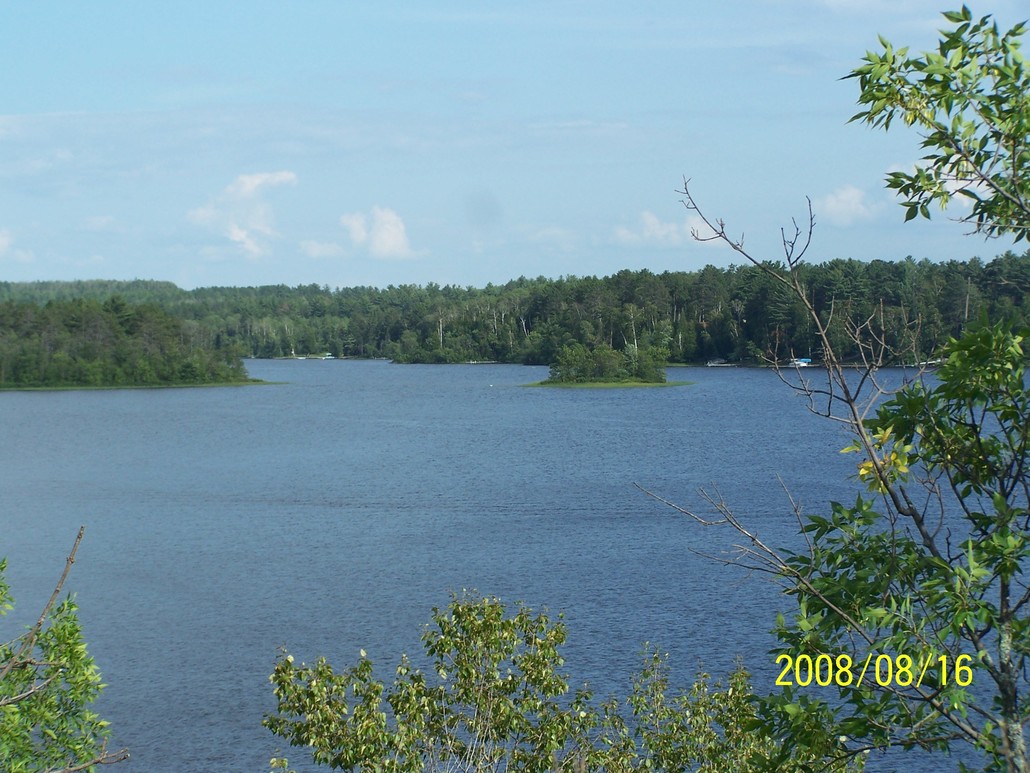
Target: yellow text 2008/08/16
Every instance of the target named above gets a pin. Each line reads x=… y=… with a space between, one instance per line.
x=884 y=670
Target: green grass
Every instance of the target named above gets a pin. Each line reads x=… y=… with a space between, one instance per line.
x=607 y=384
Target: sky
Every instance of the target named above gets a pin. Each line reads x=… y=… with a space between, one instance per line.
x=356 y=143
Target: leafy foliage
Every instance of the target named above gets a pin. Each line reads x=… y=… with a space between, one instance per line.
x=971 y=99
x=47 y=683
x=577 y=365
x=936 y=567
x=88 y=343
x=928 y=576
x=941 y=576
x=495 y=699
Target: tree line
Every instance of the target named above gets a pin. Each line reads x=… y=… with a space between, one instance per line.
x=86 y=342
x=735 y=313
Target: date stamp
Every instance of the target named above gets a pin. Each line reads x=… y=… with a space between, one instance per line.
x=882 y=669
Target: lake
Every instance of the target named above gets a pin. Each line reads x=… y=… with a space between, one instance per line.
x=332 y=511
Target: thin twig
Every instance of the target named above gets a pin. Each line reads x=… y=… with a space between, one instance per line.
x=29 y=640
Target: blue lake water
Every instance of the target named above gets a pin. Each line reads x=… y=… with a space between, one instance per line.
x=332 y=511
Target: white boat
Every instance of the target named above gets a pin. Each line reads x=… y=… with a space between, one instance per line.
x=799 y=362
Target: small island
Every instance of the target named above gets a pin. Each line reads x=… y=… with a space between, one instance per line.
x=83 y=343
x=605 y=367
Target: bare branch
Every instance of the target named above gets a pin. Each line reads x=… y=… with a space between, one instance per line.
x=102 y=759
x=29 y=640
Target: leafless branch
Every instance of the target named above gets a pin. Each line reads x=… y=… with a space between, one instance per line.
x=101 y=759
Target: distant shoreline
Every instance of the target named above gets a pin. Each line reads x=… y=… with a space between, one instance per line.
x=608 y=384
x=91 y=387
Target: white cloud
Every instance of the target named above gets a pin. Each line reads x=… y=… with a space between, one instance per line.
x=241 y=215
x=244 y=238
x=356 y=225
x=381 y=231
x=6 y=240
x=700 y=231
x=650 y=230
x=845 y=206
x=388 y=237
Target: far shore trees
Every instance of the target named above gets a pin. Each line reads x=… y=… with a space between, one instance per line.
x=86 y=343
x=734 y=313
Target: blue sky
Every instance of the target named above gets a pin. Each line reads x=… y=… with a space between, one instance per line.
x=345 y=143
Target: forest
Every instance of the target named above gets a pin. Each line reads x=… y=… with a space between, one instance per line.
x=51 y=332
x=86 y=342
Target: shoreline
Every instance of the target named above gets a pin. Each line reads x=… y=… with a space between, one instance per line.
x=92 y=387
x=608 y=384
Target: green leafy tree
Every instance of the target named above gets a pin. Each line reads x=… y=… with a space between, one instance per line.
x=923 y=582
x=47 y=684
x=647 y=363
x=572 y=365
x=576 y=364
x=82 y=342
x=971 y=100
x=710 y=728
x=916 y=597
x=490 y=698
x=495 y=699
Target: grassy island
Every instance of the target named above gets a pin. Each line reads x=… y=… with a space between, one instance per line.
x=602 y=367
